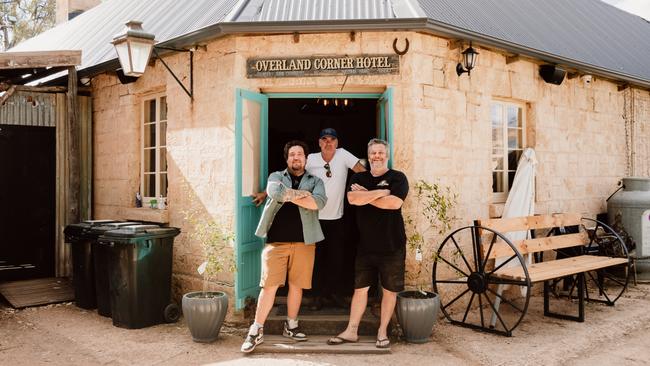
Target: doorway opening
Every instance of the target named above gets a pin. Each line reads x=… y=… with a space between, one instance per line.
x=355 y=121
x=27 y=193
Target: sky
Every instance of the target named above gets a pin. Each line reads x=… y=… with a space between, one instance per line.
x=638 y=7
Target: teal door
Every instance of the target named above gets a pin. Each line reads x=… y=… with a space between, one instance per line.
x=385 y=120
x=251 y=134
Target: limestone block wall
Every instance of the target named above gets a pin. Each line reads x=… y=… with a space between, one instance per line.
x=638 y=103
x=442 y=128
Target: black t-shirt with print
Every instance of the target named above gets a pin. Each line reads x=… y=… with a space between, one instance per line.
x=381 y=231
x=287 y=225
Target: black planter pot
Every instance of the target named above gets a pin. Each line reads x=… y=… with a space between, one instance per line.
x=417 y=314
x=204 y=313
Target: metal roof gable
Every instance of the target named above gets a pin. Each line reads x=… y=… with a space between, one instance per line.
x=587 y=35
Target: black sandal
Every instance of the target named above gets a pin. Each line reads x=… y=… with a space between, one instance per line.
x=335 y=341
x=382 y=343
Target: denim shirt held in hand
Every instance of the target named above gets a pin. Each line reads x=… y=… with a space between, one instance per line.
x=276 y=187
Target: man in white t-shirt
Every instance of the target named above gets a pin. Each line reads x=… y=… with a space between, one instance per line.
x=331 y=165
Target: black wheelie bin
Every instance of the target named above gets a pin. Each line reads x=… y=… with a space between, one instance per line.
x=83 y=270
x=100 y=262
x=140 y=271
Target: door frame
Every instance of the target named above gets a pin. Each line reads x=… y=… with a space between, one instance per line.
x=386 y=132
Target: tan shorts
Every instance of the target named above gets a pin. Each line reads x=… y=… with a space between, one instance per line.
x=295 y=258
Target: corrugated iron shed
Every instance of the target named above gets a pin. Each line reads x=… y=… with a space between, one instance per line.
x=584 y=34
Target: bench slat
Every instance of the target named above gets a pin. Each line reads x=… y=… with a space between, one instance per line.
x=502 y=249
x=532 y=222
x=559 y=268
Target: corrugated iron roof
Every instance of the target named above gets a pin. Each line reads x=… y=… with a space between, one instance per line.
x=585 y=34
x=93 y=30
x=305 y=10
x=587 y=31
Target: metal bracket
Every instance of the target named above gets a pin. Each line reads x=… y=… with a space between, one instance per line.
x=189 y=92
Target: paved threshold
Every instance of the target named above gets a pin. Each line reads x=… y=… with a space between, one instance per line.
x=318 y=344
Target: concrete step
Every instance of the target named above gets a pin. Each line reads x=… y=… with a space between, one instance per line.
x=327 y=321
x=318 y=344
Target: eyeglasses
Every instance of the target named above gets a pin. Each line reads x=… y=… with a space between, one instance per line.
x=328 y=173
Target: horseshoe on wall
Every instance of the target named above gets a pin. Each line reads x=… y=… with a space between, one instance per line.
x=406 y=49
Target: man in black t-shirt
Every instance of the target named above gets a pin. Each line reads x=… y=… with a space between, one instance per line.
x=290 y=225
x=379 y=195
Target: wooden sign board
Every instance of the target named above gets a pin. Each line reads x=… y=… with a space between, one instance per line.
x=283 y=67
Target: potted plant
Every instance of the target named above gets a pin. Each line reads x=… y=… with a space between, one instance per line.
x=205 y=310
x=430 y=217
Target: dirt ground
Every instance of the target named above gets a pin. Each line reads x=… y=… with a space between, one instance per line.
x=66 y=335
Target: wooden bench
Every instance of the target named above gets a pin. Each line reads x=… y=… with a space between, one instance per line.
x=499 y=276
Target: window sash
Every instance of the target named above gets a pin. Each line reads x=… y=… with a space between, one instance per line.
x=153 y=167
x=512 y=138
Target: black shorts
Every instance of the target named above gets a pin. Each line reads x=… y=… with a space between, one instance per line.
x=389 y=267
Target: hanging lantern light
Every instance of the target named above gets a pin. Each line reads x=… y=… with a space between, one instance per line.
x=133 y=48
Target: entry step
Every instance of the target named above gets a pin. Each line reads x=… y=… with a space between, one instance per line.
x=327 y=321
x=318 y=344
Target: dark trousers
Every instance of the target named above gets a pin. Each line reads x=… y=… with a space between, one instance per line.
x=332 y=260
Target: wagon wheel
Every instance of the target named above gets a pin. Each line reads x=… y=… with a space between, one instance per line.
x=471 y=294
x=604 y=285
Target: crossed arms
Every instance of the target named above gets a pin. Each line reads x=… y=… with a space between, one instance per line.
x=380 y=198
x=310 y=200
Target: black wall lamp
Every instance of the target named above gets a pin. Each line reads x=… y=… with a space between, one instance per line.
x=134 y=47
x=469 y=61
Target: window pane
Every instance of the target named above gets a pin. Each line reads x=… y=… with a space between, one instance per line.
x=152 y=111
x=149 y=185
x=514 y=138
x=496 y=116
x=513 y=159
x=149 y=135
x=163 y=134
x=163 y=159
x=497 y=182
x=497 y=163
x=497 y=140
x=514 y=116
x=163 y=108
x=163 y=184
x=149 y=160
x=511 y=178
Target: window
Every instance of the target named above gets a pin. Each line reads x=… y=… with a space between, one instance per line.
x=154 y=148
x=508 y=141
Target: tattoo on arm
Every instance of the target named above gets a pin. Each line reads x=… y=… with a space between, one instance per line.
x=292 y=194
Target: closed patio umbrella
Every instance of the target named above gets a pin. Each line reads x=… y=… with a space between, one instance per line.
x=520 y=202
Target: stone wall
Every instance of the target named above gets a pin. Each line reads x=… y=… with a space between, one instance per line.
x=442 y=128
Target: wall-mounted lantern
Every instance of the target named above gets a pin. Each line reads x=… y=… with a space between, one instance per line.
x=134 y=47
x=469 y=61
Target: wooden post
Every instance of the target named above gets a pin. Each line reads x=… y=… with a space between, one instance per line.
x=74 y=153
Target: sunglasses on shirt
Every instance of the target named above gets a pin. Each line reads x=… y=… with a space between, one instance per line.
x=328 y=171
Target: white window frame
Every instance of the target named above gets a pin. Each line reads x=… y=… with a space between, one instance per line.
x=501 y=197
x=157 y=146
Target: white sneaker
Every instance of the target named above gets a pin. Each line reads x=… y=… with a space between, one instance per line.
x=252 y=341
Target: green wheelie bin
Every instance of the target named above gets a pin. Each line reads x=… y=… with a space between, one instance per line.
x=140 y=271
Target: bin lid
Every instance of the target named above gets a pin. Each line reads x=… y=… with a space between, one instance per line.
x=112 y=226
x=98 y=222
x=124 y=234
x=82 y=227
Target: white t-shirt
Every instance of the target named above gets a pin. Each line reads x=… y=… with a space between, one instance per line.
x=334 y=185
